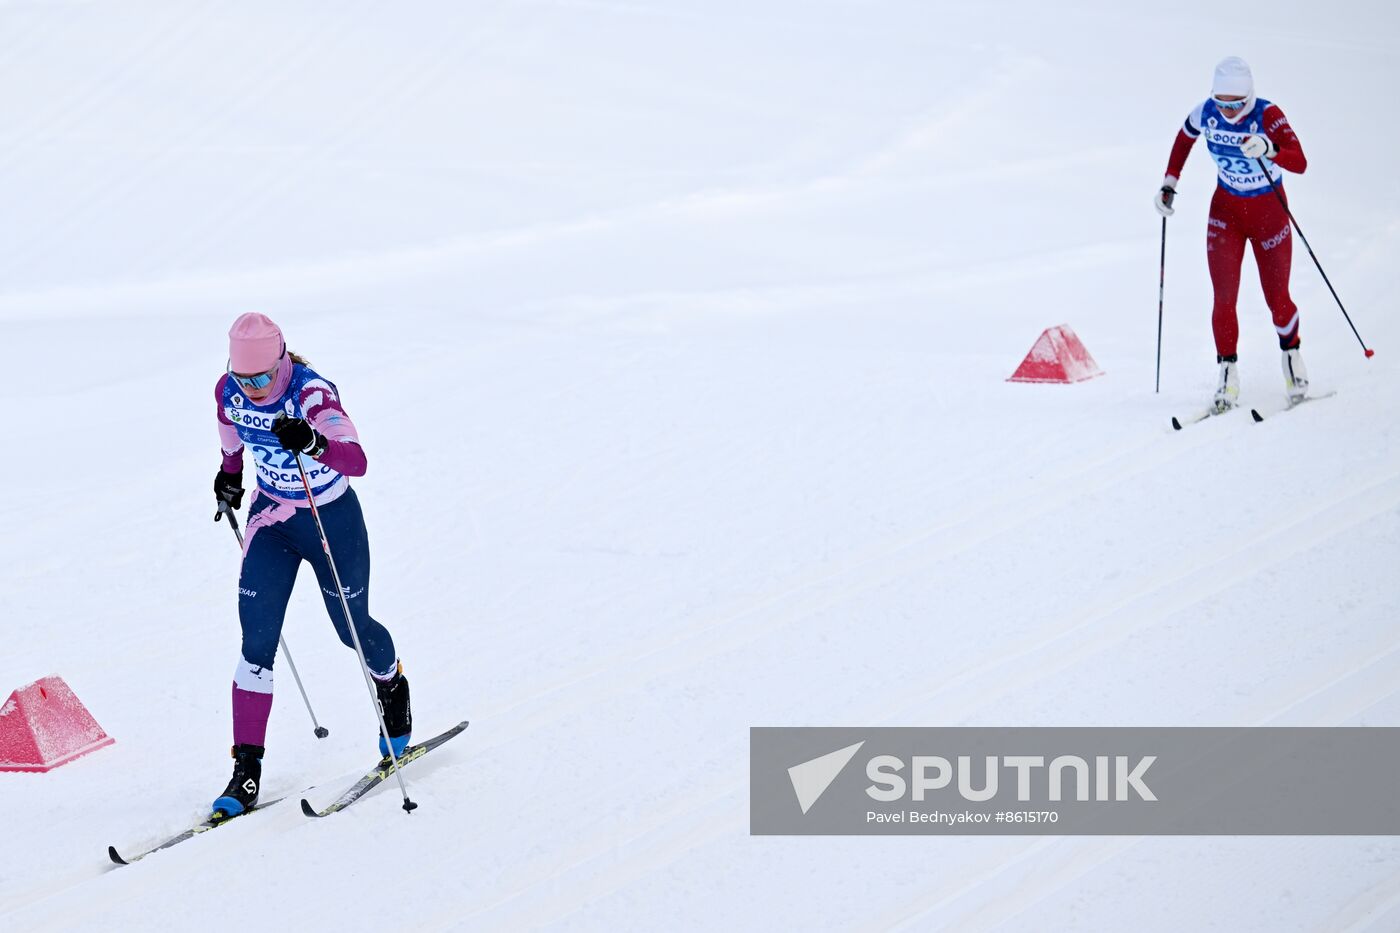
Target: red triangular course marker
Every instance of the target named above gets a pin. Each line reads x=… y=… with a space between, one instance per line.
x=1058 y=356
x=44 y=725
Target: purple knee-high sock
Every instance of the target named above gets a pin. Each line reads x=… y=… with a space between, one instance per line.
x=250 y=712
x=252 y=702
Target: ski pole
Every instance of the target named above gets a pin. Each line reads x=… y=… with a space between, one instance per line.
x=1294 y=221
x=1161 y=292
x=321 y=731
x=408 y=805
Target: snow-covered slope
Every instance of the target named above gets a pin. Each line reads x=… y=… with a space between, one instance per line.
x=676 y=334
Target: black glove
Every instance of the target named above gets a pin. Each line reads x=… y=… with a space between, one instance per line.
x=228 y=489
x=297 y=434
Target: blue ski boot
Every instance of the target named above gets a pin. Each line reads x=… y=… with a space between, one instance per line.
x=242 y=791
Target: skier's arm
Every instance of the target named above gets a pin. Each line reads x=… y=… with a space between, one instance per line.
x=324 y=413
x=1290 y=152
x=229 y=442
x=228 y=482
x=1185 y=139
x=1177 y=161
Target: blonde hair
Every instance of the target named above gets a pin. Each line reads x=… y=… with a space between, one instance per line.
x=298 y=358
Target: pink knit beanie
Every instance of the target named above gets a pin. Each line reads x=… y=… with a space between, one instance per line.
x=254 y=344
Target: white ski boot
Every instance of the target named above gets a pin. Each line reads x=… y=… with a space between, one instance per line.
x=1295 y=376
x=1227 y=392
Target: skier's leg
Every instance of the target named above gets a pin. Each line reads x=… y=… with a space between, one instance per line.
x=1224 y=254
x=1273 y=254
x=265 y=585
x=345 y=529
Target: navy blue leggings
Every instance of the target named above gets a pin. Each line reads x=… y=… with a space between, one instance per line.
x=280 y=537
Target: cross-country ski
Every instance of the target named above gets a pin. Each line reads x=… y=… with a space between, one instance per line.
x=1291 y=404
x=381 y=772
x=203 y=826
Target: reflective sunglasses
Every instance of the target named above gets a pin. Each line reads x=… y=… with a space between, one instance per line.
x=260 y=381
x=1228 y=104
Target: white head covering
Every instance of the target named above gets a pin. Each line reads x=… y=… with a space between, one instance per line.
x=1232 y=76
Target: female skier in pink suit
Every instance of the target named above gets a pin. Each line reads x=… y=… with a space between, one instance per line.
x=1240 y=132
x=273 y=403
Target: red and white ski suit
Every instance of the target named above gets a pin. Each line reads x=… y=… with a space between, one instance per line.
x=1244 y=207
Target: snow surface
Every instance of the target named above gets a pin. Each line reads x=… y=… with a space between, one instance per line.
x=677 y=336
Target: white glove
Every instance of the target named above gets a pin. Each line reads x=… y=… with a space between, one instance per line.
x=1258 y=147
x=1164 y=198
